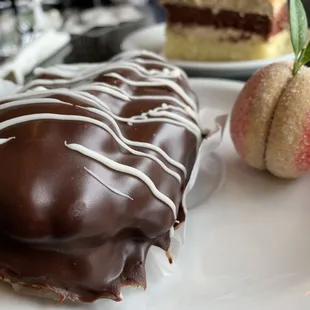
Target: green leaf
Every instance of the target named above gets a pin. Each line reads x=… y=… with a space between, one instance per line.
x=298 y=26
x=305 y=56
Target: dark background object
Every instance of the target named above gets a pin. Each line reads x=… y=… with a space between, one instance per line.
x=100 y=44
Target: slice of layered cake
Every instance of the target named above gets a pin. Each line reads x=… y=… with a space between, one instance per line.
x=211 y=30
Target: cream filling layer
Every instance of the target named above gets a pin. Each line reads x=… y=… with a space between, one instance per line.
x=211 y=33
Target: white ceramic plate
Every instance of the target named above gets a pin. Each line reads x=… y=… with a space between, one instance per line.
x=247 y=246
x=152 y=38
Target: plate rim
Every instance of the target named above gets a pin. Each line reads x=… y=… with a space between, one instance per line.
x=219 y=82
x=127 y=45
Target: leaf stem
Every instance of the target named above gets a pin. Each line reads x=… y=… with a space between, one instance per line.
x=298 y=62
x=296 y=68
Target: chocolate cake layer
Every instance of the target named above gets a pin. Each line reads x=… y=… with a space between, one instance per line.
x=252 y=23
x=93 y=169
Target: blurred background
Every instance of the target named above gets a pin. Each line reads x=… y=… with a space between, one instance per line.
x=22 y=21
x=94 y=29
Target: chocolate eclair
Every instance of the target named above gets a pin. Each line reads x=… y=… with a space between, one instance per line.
x=220 y=30
x=94 y=161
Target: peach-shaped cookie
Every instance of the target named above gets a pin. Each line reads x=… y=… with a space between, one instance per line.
x=253 y=112
x=270 y=121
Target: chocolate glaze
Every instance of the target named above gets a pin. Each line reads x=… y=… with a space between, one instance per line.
x=61 y=230
x=253 y=23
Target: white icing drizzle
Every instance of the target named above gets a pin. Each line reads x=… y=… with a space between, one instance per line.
x=161 y=111
x=5 y=140
x=180 y=121
x=124 y=169
x=162 y=120
x=132 y=54
x=42 y=82
x=30 y=94
x=83 y=96
x=100 y=104
x=140 y=70
x=112 y=189
x=88 y=74
x=38 y=93
x=62 y=117
x=166 y=72
x=121 y=94
x=65 y=71
x=39 y=88
x=137 y=143
x=104 y=88
x=154 y=81
x=168 y=69
x=32 y=101
x=187 y=111
x=157 y=82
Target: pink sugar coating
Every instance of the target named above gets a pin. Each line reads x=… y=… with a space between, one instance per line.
x=302 y=158
x=241 y=113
